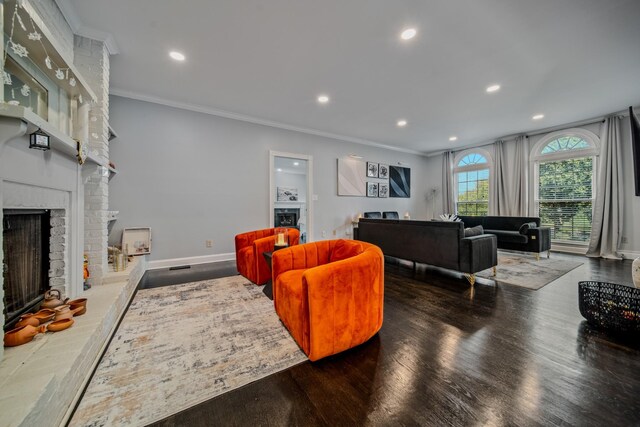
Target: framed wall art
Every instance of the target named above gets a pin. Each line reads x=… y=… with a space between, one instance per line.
x=137 y=240
x=372 y=170
x=372 y=189
x=399 y=181
x=383 y=189
x=285 y=194
x=383 y=171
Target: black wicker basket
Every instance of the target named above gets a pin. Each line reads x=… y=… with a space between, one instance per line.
x=610 y=306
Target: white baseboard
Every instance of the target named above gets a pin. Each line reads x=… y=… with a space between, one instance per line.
x=205 y=259
x=630 y=254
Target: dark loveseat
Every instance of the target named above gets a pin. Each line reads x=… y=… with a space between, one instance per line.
x=438 y=243
x=512 y=234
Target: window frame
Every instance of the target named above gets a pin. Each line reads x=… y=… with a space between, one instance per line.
x=470 y=168
x=593 y=151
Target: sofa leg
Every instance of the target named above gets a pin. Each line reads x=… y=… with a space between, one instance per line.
x=538 y=257
x=495 y=270
x=548 y=253
x=471 y=278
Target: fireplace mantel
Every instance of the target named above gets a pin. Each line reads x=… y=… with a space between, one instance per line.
x=27 y=122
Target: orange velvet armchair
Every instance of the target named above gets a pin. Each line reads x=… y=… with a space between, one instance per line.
x=249 y=248
x=329 y=294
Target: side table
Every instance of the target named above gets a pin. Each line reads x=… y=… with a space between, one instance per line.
x=268 y=287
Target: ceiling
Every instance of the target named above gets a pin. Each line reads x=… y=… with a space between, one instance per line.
x=267 y=61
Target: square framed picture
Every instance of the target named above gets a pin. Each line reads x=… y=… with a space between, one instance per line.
x=383 y=171
x=372 y=189
x=383 y=189
x=137 y=240
x=372 y=170
x=285 y=194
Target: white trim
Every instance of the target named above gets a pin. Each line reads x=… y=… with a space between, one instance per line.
x=629 y=254
x=250 y=119
x=205 y=259
x=69 y=12
x=590 y=137
x=480 y=166
x=310 y=195
x=571 y=249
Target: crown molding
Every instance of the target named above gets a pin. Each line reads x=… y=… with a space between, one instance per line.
x=78 y=27
x=255 y=120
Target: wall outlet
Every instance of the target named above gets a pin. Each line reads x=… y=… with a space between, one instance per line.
x=625 y=239
x=324 y=233
x=209 y=243
x=335 y=232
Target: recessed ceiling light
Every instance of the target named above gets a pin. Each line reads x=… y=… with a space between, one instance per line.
x=296 y=163
x=453 y=138
x=323 y=99
x=176 y=55
x=279 y=170
x=493 y=88
x=538 y=117
x=355 y=156
x=401 y=123
x=408 y=34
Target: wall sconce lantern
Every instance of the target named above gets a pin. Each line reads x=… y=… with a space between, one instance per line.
x=39 y=140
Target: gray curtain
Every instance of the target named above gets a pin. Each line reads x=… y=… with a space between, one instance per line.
x=606 y=227
x=499 y=195
x=509 y=184
x=448 y=200
x=520 y=202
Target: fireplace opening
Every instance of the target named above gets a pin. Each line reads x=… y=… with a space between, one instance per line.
x=25 y=240
x=286 y=217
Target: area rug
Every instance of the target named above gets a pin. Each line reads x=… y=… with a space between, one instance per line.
x=527 y=272
x=180 y=345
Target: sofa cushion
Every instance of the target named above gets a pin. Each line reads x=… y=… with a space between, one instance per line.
x=345 y=249
x=473 y=231
x=524 y=228
x=508 y=236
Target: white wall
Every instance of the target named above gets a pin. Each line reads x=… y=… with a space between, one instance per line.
x=631 y=228
x=193 y=177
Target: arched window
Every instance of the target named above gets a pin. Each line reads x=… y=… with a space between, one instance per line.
x=565 y=172
x=472 y=170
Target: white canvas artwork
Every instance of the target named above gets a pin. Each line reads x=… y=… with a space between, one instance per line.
x=351 y=177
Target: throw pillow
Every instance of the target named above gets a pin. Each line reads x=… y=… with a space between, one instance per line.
x=473 y=231
x=524 y=228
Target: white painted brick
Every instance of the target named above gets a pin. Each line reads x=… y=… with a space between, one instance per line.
x=58 y=222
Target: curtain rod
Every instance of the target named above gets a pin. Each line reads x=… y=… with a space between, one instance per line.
x=600 y=119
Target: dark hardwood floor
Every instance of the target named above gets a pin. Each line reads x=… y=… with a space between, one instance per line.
x=448 y=355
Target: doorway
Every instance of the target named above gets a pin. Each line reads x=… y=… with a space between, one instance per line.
x=291 y=192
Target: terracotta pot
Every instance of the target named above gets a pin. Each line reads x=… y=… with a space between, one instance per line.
x=78 y=306
x=53 y=299
x=59 y=325
x=63 y=312
x=45 y=315
x=28 y=319
x=21 y=335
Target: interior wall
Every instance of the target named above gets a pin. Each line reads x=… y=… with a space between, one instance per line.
x=631 y=228
x=193 y=177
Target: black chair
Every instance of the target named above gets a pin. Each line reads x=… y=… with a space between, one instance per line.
x=390 y=215
x=377 y=215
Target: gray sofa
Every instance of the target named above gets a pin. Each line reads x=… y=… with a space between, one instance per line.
x=437 y=243
x=511 y=233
